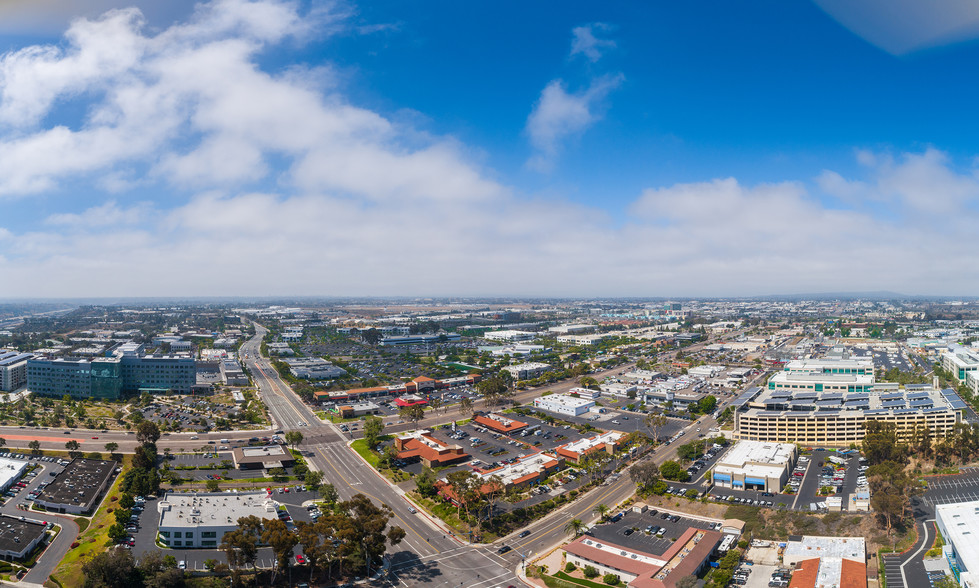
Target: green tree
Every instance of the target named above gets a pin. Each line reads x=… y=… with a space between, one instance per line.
x=671 y=470
x=126 y=500
x=644 y=474
x=213 y=486
x=574 y=527
x=114 y=568
x=35 y=447
x=371 y=336
x=601 y=510
x=466 y=406
x=329 y=494
x=656 y=422
x=147 y=432
x=373 y=427
x=117 y=532
x=425 y=482
x=72 y=445
x=313 y=479
x=412 y=413
x=294 y=438
x=111 y=446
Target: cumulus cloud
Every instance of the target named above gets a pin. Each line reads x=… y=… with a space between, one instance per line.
x=560 y=115
x=265 y=172
x=585 y=42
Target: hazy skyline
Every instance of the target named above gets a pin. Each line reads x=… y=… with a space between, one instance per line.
x=342 y=149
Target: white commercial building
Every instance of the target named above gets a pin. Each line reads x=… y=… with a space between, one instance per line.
x=510 y=336
x=755 y=465
x=959 y=525
x=564 y=404
x=13 y=370
x=571 y=329
x=960 y=361
x=200 y=520
x=527 y=371
x=10 y=471
x=582 y=339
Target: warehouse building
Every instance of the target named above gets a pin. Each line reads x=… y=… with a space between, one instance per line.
x=564 y=404
x=10 y=471
x=200 y=520
x=527 y=371
x=826 y=561
x=959 y=525
x=753 y=465
x=78 y=487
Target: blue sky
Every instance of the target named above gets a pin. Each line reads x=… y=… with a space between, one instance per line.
x=629 y=148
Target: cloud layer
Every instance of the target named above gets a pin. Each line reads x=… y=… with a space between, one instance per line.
x=282 y=186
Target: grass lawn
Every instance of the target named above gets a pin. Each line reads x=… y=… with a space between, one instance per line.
x=360 y=446
x=93 y=538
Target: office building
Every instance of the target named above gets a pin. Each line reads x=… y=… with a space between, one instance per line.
x=19 y=535
x=826 y=561
x=960 y=361
x=420 y=339
x=313 y=368
x=111 y=377
x=583 y=340
x=563 y=404
x=431 y=452
x=837 y=419
x=959 y=525
x=686 y=556
x=357 y=409
x=510 y=336
x=576 y=450
x=499 y=423
x=13 y=370
x=265 y=457
x=527 y=470
x=753 y=465
x=527 y=371
x=200 y=520
x=571 y=329
x=10 y=471
x=78 y=487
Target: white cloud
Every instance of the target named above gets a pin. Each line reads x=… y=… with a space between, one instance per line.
x=584 y=42
x=559 y=115
x=109 y=214
x=315 y=195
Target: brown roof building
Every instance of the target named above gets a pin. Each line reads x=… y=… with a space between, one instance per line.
x=265 y=457
x=430 y=451
x=499 y=423
x=685 y=557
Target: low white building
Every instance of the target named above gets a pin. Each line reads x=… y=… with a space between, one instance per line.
x=755 y=465
x=527 y=371
x=200 y=520
x=571 y=329
x=618 y=389
x=586 y=340
x=10 y=471
x=564 y=404
x=510 y=336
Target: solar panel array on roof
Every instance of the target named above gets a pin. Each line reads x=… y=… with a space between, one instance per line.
x=877 y=411
x=953 y=399
x=906 y=411
x=891 y=396
x=916 y=386
x=746 y=397
x=806 y=396
x=918 y=395
x=827 y=403
x=832 y=396
x=852 y=397
x=893 y=404
x=921 y=402
x=936 y=409
x=857 y=405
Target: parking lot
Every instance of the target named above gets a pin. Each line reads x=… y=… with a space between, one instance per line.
x=651 y=532
x=23 y=495
x=962 y=487
x=806 y=486
x=212 y=466
x=144 y=538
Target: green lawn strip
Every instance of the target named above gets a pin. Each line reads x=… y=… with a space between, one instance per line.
x=360 y=446
x=445 y=512
x=580 y=582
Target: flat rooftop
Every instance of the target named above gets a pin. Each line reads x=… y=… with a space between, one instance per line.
x=961 y=521
x=759 y=452
x=79 y=483
x=843 y=547
x=565 y=400
x=583 y=445
x=10 y=469
x=16 y=534
x=524 y=466
x=213 y=508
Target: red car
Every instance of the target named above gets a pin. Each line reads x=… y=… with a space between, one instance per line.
x=300 y=559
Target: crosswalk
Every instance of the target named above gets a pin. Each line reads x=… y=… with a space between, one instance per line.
x=892 y=570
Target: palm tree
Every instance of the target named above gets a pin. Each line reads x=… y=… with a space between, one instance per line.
x=601 y=510
x=574 y=527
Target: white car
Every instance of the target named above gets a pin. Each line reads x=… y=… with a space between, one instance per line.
x=182 y=565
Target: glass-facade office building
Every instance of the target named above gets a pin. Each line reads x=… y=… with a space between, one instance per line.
x=111 y=378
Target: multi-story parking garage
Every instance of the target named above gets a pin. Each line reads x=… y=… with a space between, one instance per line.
x=837 y=420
